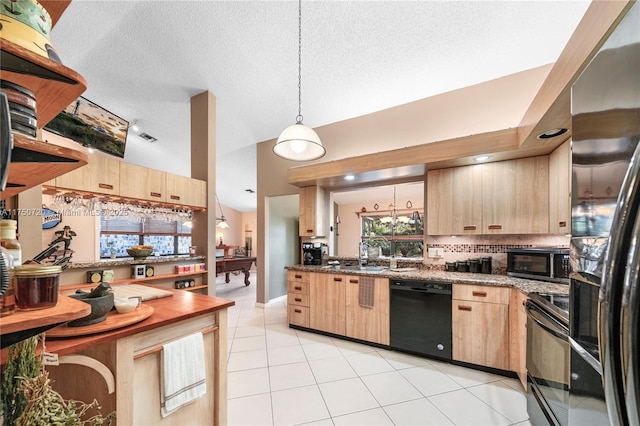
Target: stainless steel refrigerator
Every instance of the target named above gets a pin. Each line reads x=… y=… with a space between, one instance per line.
x=604 y=317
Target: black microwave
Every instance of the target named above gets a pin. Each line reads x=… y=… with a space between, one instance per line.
x=539 y=263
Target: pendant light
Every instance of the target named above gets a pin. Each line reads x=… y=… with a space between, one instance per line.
x=299 y=142
x=223 y=221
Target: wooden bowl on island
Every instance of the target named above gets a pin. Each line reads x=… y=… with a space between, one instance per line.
x=140 y=252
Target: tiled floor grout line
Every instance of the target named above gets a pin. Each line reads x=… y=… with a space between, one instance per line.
x=272 y=320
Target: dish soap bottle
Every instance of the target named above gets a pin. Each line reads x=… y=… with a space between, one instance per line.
x=393 y=263
x=9 y=241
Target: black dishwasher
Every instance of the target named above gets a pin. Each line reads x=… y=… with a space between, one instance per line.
x=420 y=317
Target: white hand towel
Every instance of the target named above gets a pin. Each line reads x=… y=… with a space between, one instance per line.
x=182 y=374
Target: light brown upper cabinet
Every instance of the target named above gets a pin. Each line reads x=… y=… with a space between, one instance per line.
x=142 y=183
x=454 y=205
x=515 y=196
x=314 y=212
x=186 y=191
x=506 y=197
x=100 y=175
x=560 y=189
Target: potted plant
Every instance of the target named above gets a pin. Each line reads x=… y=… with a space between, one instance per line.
x=376 y=245
x=112 y=250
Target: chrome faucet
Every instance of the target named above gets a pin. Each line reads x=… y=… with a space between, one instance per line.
x=363 y=253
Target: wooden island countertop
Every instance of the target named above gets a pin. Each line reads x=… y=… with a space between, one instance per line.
x=168 y=310
x=114 y=366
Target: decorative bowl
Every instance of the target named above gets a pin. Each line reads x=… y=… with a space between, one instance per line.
x=140 y=252
x=124 y=306
x=100 y=307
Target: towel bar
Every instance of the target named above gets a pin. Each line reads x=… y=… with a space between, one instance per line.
x=159 y=348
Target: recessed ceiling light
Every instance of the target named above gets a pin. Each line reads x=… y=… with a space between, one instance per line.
x=349 y=177
x=552 y=133
x=482 y=158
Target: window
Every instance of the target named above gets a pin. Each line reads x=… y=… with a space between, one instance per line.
x=168 y=237
x=377 y=231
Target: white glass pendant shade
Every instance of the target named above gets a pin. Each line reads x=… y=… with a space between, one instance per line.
x=299 y=143
x=223 y=224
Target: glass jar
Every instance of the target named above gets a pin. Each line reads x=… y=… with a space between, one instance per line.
x=36 y=286
x=7 y=291
x=9 y=241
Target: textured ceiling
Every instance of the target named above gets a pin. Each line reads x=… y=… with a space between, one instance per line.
x=144 y=60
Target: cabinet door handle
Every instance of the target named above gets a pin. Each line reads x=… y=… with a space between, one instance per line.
x=339 y=280
x=297 y=299
x=298 y=288
x=479 y=293
x=309 y=231
x=562 y=224
x=175 y=197
x=354 y=281
x=156 y=194
x=105 y=186
x=297 y=311
x=469 y=227
x=464 y=308
x=299 y=277
x=495 y=227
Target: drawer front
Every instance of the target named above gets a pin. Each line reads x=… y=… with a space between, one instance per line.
x=298 y=299
x=298 y=315
x=298 y=276
x=298 y=287
x=480 y=293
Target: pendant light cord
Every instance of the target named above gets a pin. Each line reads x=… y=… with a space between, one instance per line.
x=299 y=117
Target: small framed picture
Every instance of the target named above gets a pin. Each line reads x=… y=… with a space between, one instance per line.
x=138 y=271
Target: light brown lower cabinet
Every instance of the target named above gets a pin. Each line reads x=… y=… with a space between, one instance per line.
x=518 y=335
x=298 y=298
x=135 y=361
x=370 y=324
x=481 y=330
x=327 y=307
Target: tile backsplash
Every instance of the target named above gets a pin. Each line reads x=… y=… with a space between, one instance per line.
x=470 y=247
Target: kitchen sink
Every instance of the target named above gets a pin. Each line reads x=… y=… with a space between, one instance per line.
x=368 y=268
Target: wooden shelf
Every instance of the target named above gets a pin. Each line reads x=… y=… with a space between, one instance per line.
x=134 y=281
x=198 y=287
x=34 y=162
x=23 y=324
x=54 y=85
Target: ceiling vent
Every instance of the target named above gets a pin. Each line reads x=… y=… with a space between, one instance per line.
x=148 y=137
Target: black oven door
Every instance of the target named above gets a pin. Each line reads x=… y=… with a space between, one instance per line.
x=587 y=399
x=547 y=367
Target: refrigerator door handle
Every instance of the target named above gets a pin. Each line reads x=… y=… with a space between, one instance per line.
x=610 y=297
x=630 y=328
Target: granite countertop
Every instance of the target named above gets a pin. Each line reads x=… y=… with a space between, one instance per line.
x=105 y=263
x=524 y=285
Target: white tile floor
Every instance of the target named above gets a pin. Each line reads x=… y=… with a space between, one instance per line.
x=281 y=376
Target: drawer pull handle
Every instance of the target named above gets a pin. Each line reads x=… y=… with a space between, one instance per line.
x=353 y=281
x=297 y=311
x=464 y=308
x=297 y=299
x=156 y=194
x=298 y=277
x=495 y=227
x=298 y=288
x=339 y=280
x=174 y=197
x=105 y=186
x=479 y=293
x=562 y=224
x=469 y=227
x=309 y=231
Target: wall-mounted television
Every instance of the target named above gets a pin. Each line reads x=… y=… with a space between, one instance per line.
x=92 y=126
